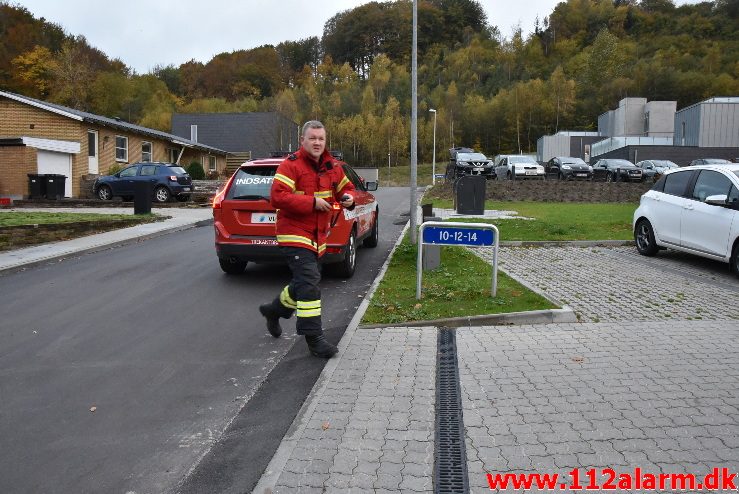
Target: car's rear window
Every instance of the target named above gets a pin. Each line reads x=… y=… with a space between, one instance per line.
x=174 y=169
x=252 y=183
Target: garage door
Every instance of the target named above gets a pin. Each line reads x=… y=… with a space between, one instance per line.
x=57 y=163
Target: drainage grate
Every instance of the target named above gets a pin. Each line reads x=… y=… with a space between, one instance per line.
x=450 y=463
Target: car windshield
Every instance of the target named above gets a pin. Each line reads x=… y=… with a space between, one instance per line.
x=573 y=161
x=471 y=157
x=620 y=163
x=178 y=170
x=716 y=161
x=664 y=164
x=252 y=183
x=521 y=159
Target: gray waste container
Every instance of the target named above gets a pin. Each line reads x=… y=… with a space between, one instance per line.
x=469 y=194
x=142 y=192
x=55 y=186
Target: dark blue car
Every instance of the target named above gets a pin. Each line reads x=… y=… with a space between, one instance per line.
x=167 y=180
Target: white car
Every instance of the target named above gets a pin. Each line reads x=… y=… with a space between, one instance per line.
x=517 y=166
x=694 y=209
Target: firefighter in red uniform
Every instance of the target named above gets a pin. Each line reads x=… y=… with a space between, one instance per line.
x=304 y=187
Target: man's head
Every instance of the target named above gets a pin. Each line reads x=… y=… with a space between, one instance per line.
x=313 y=138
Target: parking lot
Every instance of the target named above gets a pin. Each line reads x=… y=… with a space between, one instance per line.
x=616 y=284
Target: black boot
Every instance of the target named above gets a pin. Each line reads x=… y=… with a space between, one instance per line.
x=273 y=320
x=320 y=347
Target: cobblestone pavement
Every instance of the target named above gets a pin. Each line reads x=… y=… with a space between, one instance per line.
x=661 y=396
x=617 y=284
x=373 y=428
x=650 y=381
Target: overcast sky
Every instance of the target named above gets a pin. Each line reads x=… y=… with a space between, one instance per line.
x=146 y=33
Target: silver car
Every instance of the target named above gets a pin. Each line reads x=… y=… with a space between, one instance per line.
x=653 y=169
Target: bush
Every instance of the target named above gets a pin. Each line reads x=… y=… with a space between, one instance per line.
x=114 y=168
x=196 y=171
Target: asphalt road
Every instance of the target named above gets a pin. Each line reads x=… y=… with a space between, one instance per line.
x=145 y=369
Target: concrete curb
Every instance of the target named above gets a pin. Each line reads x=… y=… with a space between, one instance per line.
x=563 y=315
x=276 y=466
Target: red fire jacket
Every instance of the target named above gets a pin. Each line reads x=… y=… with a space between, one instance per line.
x=298 y=180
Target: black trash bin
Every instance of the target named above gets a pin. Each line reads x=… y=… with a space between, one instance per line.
x=427 y=210
x=142 y=191
x=55 y=186
x=36 y=186
x=470 y=194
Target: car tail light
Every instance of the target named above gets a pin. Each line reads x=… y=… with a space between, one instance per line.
x=221 y=194
x=218 y=199
x=333 y=250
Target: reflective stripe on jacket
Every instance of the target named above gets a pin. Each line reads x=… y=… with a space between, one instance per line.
x=298 y=181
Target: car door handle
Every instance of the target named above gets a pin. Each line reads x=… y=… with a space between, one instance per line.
x=688 y=206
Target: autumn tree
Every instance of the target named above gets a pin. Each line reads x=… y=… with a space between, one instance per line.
x=33 y=72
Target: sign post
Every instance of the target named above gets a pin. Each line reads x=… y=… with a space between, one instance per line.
x=457 y=233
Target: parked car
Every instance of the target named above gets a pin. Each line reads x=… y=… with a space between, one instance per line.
x=710 y=161
x=244 y=221
x=615 y=170
x=167 y=180
x=568 y=168
x=517 y=166
x=466 y=161
x=692 y=209
x=653 y=169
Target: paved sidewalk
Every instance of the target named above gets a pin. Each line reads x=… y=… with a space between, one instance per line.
x=652 y=385
x=179 y=219
x=617 y=284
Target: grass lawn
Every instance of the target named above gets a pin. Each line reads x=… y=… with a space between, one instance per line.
x=559 y=220
x=400 y=176
x=460 y=286
x=17 y=218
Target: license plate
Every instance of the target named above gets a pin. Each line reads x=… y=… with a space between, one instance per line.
x=263 y=217
x=530 y=172
x=263 y=241
x=478 y=169
x=581 y=174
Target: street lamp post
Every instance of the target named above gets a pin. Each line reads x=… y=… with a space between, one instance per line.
x=433 y=162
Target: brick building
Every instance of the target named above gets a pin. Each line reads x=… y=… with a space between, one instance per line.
x=41 y=137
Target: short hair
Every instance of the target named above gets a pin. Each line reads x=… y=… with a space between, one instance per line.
x=311 y=124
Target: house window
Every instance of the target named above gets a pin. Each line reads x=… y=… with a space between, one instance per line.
x=145 y=151
x=173 y=155
x=212 y=163
x=121 y=148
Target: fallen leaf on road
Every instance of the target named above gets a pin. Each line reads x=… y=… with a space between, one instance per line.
x=92 y=409
x=325 y=425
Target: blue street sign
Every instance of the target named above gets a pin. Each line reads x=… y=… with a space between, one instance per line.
x=457 y=233
x=454 y=235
